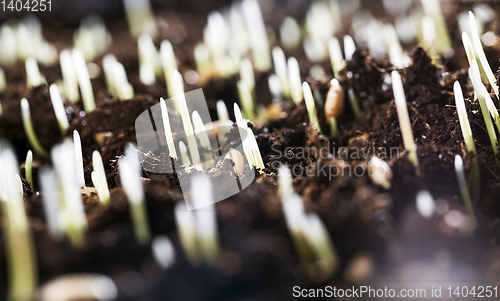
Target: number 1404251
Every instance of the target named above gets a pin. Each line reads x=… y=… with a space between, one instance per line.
x=26 y=5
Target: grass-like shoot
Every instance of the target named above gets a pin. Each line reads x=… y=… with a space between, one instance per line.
x=430 y=36
x=116 y=78
x=202 y=58
x=3 y=82
x=349 y=47
x=222 y=112
x=77 y=142
x=425 y=204
x=290 y=33
x=294 y=80
x=28 y=128
x=169 y=63
x=74 y=221
x=243 y=129
x=247 y=75
x=257 y=157
x=404 y=118
x=51 y=201
x=310 y=106
x=92 y=38
x=280 y=67
x=186 y=120
x=70 y=79
x=28 y=167
x=462 y=183
x=469 y=49
x=380 y=172
x=33 y=76
x=130 y=177
x=201 y=134
x=186 y=226
x=99 y=178
x=259 y=42
x=275 y=88
x=475 y=179
x=82 y=73
x=184 y=156
x=19 y=252
x=149 y=62
x=354 y=104
x=432 y=8
x=140 y=18
x=168 y=130
x=285 y=186
x=246 y=100
x=8 y=44
x=479 y=52
x=108 y=63
x=57 y=104
x=336 y=57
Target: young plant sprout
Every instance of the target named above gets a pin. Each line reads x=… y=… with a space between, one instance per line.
x=186 y=120
x=216 y=36
x=184 y=156
x=425 y=204
x=462 y=183
x=51 y=201
x=335 y=55
x=354 y=104
x=28 y=167
x=202 y=57
x=201 y=134
x=33 y=76
x=243 y=130
x=469 y=141
x=257 y=157
x=222 y=112
x=280 y=68
x=275 y=87
x=70 y=79
x=315 y=49
x=334 y=104
x=31 y=43
x=380 y=172
x=310 y=106
x=8 y=44
x=92 y=38
x=433 y=9
x=247 y=74
x=124 y=89
x=149 y=62
x=186 y=224
x=99 y=178
x=74 y=221
x=169 y=63
x=28 y=128
x=469 y=49
x=349 y=47
x=58 y=106
x=163 y=251
x=479 y=53
x=3 y=82
x=108 y=63
x=285 y=180
x=404 y=118
x=480 y=91
x=19 y=252
x=78 y=159
x=246 y=99
x=130 y=176
x=430 y=37
x=319 y=22
x=140 y=18
x=290 y=33
x=294 y=80
x=82 y=73
x=259 y=42
x=167 y=129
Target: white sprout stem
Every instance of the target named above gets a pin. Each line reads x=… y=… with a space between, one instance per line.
x=290 y=33
x=124 y=89
x=285 y=186
x=222 y=112
x=430 y=37
x=201 y=134
x=242 y=128
x=257 y=157
x=425 y=204
x=28 y=168
x=186 y=226
x=280 y=67
x=479 y=52
x=201 y=57
x=246 y=99
x=148 y=55
x=462 y=184
x=33 y=76
x=82 y=74
x=51 y=201
x=74 y=219
x=77 y=142
x=318 y=239
x=275 y=87
x=404 y=118
x=480 y=92
x=57 y=104
x=258 y=36
x=163 y=251
x=99 y=178
x=169 y=63
x=168 y=131
x=140 y=18
x=294 y=80
x=20 y=256
x=469 y=49
x=184 y=156
x=433 y=9
x=3 y=82
x=310 y=106
x=9 y=44
x=354 y=104
x=186 y=121
x=130 y=177
x=491 y=108
x=335 y=56
x=349 y=47
x=70 y=79
x=108 y=63
x=247 y=74
x=202 y=198
x=28 y=128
